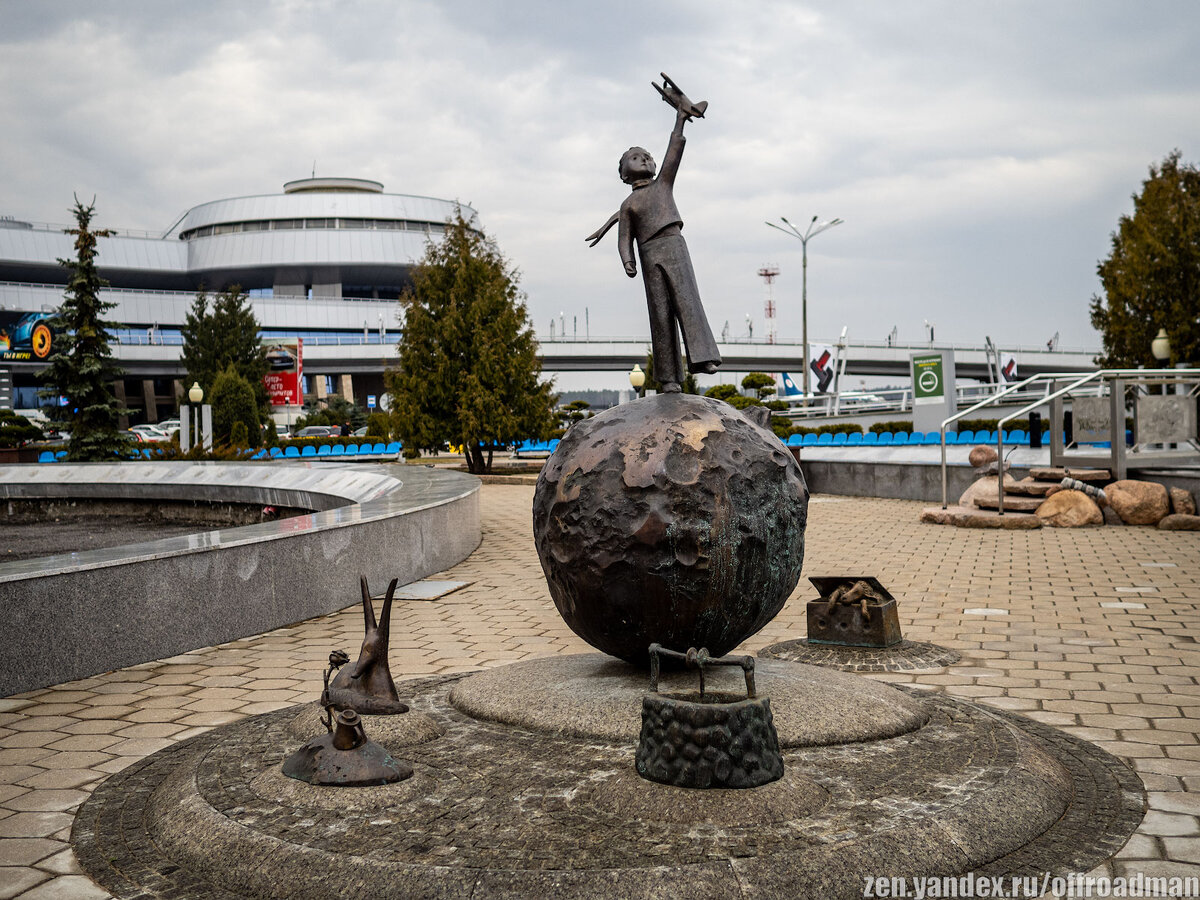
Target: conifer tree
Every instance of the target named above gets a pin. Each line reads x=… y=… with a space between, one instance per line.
x=1151 y=279
x=469 y=372
x=223 y=336
x=81 y=368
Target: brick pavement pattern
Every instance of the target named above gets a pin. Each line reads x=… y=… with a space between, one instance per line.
x=1092 y=630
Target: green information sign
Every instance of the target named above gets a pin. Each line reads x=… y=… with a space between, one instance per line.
x=929 y=383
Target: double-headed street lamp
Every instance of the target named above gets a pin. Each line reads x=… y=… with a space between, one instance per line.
x=812 y=231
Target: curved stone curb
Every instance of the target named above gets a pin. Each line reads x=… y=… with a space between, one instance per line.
x=494 y=811
x=83 y=613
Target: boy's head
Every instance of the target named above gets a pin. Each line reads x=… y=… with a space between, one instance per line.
x=636 y=165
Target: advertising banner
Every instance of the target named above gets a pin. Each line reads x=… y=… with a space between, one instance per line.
x=25 y=336
x=821 y=365
x=283 y=382
x=1008 y=368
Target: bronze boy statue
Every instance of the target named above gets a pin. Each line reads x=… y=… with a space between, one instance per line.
x=650 y=216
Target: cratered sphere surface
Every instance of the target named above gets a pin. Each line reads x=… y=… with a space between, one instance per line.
x=672 y=519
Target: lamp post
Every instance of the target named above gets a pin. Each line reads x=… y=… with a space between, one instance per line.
x=811 y=231
x=195 y=425
x=637 y=378
x=1160 y=347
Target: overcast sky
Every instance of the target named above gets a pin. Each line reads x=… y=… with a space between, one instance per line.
x=980 y=153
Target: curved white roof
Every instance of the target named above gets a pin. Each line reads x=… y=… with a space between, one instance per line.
x=313 y=204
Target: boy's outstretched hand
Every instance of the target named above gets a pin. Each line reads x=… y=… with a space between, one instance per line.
x=631 y=269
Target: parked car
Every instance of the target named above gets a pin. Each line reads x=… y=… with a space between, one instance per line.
x=316 y=431
x=151 y=433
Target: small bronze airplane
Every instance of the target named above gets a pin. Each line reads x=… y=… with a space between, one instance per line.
x=671 y=94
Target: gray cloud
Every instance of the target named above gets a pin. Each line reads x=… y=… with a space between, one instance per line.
x=980 y=153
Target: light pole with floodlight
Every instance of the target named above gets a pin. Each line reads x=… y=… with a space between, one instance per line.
x=811 y=232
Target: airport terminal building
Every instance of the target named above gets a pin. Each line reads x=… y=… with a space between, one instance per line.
x=324 y=261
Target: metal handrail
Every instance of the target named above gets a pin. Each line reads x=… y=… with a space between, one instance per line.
x=1173 y=374
x=988 y=401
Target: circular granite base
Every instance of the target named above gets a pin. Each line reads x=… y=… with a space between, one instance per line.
x=501 y=810
x=901 y=657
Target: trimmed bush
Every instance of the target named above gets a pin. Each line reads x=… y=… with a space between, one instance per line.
x=898 y=425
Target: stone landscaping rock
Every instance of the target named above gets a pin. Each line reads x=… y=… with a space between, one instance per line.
x=1028 y=487
x=1007 y=522
x=1138 y=502
x=935 y=515
x=983 y=487
x=1058 y=473
x=1070 y=509
x=982 y=455
x=1110 y=516
x=1178 y=522
x=970 y=517
x=1182 y=502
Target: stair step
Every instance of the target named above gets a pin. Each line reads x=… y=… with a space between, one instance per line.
x=1058 y=473
x=1011 y=503
x=1027 y=487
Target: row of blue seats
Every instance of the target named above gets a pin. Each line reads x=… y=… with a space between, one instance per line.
x=909 y=439
x=367 y=449
x=535 y=447
x=310 y=451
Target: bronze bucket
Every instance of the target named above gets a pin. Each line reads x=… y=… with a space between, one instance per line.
x=712 y=740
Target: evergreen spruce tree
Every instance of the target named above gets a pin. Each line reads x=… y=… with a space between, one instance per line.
x=81 y=368
x=233 y=403
x=469 y=372
x=225 y=335
x=1151 y=279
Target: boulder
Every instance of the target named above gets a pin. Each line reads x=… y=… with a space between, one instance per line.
x=983 y=487
x=982 y=455
x=1179 y=522
x=1182 y=502
x=1070 y=509
x=1110 y=516
x=1138 y=502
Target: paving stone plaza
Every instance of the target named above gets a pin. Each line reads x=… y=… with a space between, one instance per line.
x=1090 y=630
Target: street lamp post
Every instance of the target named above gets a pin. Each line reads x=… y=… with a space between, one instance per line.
x=1160 y=347
x=811 y=231
x=195 y=421
x=637 y=378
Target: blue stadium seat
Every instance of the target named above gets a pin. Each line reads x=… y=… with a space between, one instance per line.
x=337 y=450
x=985 y=437
x=351 y=450
x=870 y=439
x=61 y=454
x=825 y=440
x=885 y=439
x=810 y=440
x=795 y=440
x=276 y=453
x=967 y=437
x=899 y=437
x=1045 y=438
x=553 y=445
x=292 y=453
x=323 y=450
x=855 y=440
x=379 y=447
x=261 y=454
x=46 y=456
x=839 y=439
x=309 y=450
x=393 y=447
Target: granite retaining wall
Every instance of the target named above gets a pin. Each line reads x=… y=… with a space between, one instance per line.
x=74 y=615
